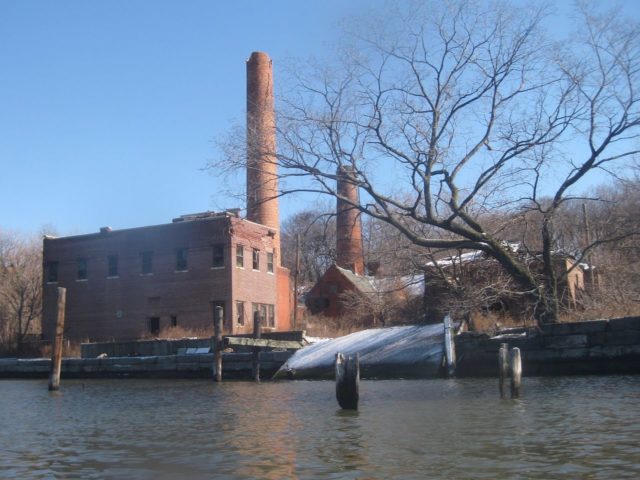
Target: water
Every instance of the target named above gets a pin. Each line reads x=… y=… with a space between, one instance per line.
x=578 y=427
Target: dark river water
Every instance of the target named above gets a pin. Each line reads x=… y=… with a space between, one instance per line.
x=567 y=427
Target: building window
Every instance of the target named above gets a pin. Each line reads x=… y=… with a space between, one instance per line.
x=154 y=325
x=218 y=256
x=256 y=259
x=267 y=314
x=52 y=272
x=240 y=313
x=269 y=262
x=147 y=263
x=239 y=256
x=271 y=318
x=112 y=261
x=82 y=269
x=181 y=260
x=174 y=320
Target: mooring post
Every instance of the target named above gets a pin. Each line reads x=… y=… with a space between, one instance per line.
x=56 y=351
x=503 y=365
x=516 y=372
x=347 y=380
x=256 y=350
x=449 y=347
x=217 y=330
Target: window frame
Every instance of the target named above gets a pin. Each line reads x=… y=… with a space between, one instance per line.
x=239 y=256
x=146 y=260
x=182 y=260
x=217 y=256
x=269 y=262
x=53 y=267
x=112 y=260
x=82 y=269
x=255 y=259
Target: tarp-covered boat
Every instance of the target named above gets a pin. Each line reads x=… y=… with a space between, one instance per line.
x=397 y=352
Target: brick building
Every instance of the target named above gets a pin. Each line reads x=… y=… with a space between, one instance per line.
x=128 y=283
x=125 y=284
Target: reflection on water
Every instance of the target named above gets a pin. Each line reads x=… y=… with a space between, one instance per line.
x=581 y=427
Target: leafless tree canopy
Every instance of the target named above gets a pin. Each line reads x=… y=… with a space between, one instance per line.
x=453 y=114
x=20 y=289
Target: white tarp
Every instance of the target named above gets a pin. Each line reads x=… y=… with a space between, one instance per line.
x=395 y=352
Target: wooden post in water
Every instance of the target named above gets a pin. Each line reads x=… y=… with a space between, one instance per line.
x=516 y=372
x=347 y=381
x=256 y=350
x=217 y=329
x=503 y=365
x=56 y=353
x=449 y=347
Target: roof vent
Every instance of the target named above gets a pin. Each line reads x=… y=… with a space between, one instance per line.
x=105 y=229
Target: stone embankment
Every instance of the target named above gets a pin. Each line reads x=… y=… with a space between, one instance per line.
x=185 y=365
x=593 y=347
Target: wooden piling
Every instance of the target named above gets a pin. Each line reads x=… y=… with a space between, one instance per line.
x=256 y=350
x=503 y=366
x=449 y=347
x=347 y=381
x=217 y=328
x=56 y=353
x=516 y=372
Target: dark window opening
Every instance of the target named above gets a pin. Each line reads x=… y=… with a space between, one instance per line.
x=82 y=269
x=271 y=318
x=256 y=259
x=239 y=256
x=240 y=313
x=147 y=262
x=113 y=266
x=154 y=325
x=218 y=256
x=174 y=320
x=181 y=259
x=52 y=272
x=270 y=262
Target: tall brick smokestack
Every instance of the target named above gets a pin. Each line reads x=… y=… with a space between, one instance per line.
x=262 y=180
x=349 y=252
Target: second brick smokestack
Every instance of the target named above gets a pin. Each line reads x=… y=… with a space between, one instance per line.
x=262 y=180
x=349 y=252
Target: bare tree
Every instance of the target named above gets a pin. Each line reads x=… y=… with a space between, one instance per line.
x=317 y=231
x=449 y=113
x=20 y=288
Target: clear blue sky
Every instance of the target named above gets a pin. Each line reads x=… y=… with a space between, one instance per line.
x=108 y=110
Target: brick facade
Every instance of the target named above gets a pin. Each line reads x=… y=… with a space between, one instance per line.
x=125 y=284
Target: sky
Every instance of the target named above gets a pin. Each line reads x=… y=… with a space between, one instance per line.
x=109 y=111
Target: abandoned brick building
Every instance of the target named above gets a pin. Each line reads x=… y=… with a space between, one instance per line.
x=124 y=284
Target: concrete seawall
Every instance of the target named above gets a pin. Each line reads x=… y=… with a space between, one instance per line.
x=593 y=347
x=235 y=366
